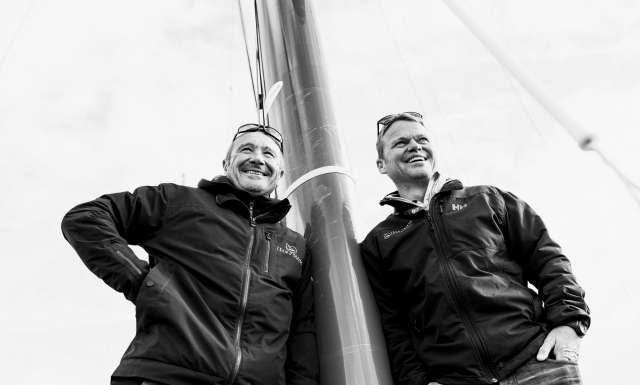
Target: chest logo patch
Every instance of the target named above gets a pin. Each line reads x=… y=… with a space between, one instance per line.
x=289 y=250
x=458 y=206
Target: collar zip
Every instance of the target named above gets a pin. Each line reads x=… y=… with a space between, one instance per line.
x=252 y=219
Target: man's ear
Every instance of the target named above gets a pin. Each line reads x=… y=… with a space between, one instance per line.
x=382 y=167
x=224 y=165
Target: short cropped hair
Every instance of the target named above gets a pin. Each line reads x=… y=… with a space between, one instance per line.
x=403 y=116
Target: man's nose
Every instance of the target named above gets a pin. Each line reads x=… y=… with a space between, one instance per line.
x=414 y=146
x=257 y=158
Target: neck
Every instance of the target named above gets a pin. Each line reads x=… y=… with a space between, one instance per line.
x=413 y=191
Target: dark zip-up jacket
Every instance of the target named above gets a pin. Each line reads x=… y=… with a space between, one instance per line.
x=226 y=297
x=451 y=284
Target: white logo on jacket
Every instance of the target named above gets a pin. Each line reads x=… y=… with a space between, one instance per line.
x=388 y=234
x=458 y=206
x=291 y=251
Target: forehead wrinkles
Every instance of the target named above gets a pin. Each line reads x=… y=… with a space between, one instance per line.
x=415 y=137
x=252 y=139
x=407 y=133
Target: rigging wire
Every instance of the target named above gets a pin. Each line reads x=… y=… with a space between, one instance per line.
x=246 y=49
x=586 y=140
x=258 y=85
x=260 y=67
x=427 y=73
x=18 y=30
x=402 y=57
x=631 y=187
x=518 y=94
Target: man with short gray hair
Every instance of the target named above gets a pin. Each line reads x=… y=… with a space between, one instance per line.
x=226 y=297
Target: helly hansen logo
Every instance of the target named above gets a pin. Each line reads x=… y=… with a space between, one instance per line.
x=458 y=206
x=291 y=251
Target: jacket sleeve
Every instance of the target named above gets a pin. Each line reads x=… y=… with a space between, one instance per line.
x=544 y=264
x=302 y=354
x=406 y=367
x=101 y=230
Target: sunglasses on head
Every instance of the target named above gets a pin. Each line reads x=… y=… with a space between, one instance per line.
x=268 y=130
x=386 y=121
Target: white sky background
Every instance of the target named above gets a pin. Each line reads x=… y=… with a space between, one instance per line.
x=100 y=97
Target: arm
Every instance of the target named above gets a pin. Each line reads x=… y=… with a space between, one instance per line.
x=407 y=368
x=550 y=272
x=101 y=230
x=302 y=357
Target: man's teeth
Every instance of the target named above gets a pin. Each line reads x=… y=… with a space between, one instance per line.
x=254 y=172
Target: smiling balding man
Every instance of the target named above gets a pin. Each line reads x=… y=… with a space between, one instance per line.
x=226 y=297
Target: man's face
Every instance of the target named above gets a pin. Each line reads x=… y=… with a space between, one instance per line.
x=408 y=156
x=254 y=163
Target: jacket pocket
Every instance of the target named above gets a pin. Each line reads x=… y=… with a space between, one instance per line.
x=126 y=261
x=267 y=258
x=155 y=282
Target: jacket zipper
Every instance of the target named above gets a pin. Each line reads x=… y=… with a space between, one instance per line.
x=441 y=246
x=246 y=280
x=266 y=258
x=129 y=262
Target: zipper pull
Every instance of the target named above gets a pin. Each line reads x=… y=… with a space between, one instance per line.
x=252 y=220
x=267 y=235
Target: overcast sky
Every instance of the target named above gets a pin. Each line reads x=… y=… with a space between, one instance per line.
x=100 y=97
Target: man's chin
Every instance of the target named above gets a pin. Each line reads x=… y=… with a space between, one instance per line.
x=422 y=172
x=255 y=188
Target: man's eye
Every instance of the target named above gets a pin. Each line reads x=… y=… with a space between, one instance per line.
x=423 y=140
x=269 y=154
x=245 y=149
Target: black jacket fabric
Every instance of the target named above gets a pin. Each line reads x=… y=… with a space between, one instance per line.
x=451 y=284
x=226 y=297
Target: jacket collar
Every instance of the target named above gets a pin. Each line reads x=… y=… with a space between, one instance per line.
x=408 y=207
x=265 y=209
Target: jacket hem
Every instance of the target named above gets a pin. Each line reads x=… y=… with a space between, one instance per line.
x=163 y=372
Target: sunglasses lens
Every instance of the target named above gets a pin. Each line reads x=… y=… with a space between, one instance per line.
x=248 y=128
x=273 y=132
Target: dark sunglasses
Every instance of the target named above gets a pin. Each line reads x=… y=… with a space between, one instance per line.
x=386 y=121
x=268 y=130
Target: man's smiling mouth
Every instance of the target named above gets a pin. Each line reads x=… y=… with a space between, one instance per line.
x=416 y=158
x=255 y=172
